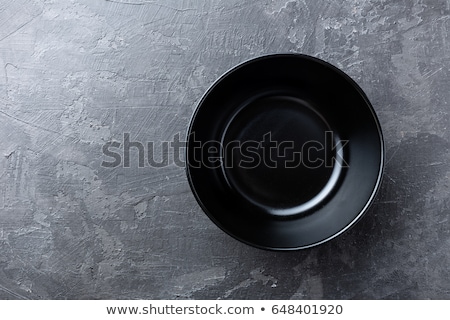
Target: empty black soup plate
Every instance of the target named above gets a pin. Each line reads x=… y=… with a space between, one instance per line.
x=284 y=152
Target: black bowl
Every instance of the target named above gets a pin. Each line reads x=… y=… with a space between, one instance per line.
x=284 y=152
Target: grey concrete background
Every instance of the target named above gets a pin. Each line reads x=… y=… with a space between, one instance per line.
x=76 y=74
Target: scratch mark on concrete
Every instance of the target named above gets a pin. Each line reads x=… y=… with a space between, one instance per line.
x=14 y=294
x=23 y=25
x=432 y=73
x=186 y=285
x=143 y=3
x=256 y=276
x=29 y=123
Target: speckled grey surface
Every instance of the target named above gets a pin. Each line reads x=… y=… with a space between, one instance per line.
x=77 y=74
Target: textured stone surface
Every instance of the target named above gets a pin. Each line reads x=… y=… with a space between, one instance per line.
x=76 y=74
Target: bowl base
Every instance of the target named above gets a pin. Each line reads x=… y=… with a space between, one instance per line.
x=276 y=154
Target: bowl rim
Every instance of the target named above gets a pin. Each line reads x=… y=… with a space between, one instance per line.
x=376 y=187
